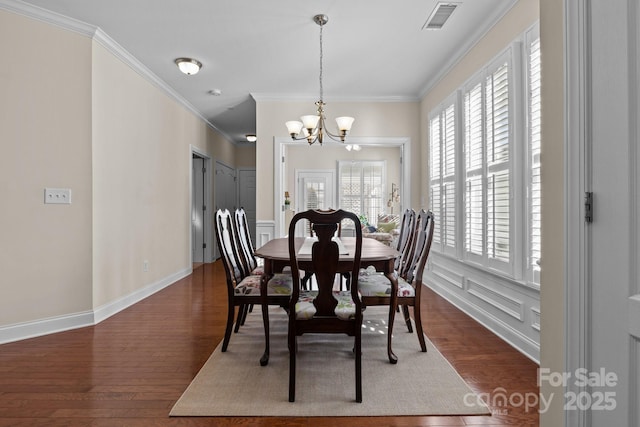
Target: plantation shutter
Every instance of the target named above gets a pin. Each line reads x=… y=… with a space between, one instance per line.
x=361 y=187
x=535 y=195
x=434 y=177
x=474 y=159
x=449 y=178
x=497 y=143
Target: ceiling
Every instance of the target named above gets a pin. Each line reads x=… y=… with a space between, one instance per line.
x=374 y=50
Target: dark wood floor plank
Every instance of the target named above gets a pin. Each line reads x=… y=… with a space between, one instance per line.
x=130 y=369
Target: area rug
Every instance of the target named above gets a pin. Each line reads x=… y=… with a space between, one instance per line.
x=234 y=384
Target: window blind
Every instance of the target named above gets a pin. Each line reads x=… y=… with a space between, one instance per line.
x=535 y=194
x=361 y=185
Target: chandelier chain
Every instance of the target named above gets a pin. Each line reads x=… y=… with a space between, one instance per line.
x=321 y=57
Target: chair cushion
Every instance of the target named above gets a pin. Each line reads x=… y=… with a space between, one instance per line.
x=280 y=284
x=345 y=310
x=258 y=271
x=375 y=284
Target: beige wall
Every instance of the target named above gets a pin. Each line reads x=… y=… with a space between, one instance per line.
x=552 y=301
x=374 y=119
x=141 y=159
x=123 y=147
x=45 y=141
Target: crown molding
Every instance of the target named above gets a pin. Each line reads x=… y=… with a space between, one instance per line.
x=48 y=17
x=465 y=48
x=279 y=97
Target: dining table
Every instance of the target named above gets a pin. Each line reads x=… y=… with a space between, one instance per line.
x=275 y=254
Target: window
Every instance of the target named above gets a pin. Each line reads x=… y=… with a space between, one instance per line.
x=533 y=136
x=361 y=188
x=443 y=176
x=484 y=165
x=487 y=167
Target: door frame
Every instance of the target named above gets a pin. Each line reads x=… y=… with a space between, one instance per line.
x=207 y=217
x=280 y=143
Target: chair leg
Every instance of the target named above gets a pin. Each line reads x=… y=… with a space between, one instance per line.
x=227 y=332
x=418 y=318
x=292 y=369
x=407 y=318
x=246 y=311
x=240 y=317
x=358 y=348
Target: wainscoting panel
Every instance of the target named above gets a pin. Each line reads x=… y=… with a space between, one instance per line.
x=265 y=231
x=506 y=307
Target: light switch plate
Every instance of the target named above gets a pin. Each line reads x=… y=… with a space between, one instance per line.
x=57 y=196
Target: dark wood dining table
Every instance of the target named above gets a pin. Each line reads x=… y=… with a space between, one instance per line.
x=275 y=254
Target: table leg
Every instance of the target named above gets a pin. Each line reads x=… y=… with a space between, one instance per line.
x=393 y=305
x=264 y=360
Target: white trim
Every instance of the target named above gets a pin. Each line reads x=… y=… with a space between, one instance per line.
x=278 y=166
x=513 y=337
x=109 y=309
x=577 y=134
x=103 y=39
x=66 y=322
x=50 y=325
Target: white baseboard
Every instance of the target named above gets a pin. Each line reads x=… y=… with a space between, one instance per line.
x=36 y=328
x=107 y=310
x=40 y=327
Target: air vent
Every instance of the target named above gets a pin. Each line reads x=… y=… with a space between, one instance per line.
x=440 y=15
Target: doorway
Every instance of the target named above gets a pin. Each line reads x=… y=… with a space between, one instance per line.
x=200 y=219
x=315 y=190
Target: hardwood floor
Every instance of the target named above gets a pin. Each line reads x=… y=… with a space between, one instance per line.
x=130 y=369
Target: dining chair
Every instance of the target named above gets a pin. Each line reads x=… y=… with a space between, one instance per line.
x=376 y=289
x=245 y=243
x=325 y=310
x=405 y=235
x=243 y=288
x=308 y=275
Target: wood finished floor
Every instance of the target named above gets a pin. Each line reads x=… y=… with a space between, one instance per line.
x=130 y=369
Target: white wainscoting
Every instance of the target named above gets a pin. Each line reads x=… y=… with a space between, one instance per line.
x=265 y=231
x=509 y=309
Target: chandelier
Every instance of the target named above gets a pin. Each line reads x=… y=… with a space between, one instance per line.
x=312 y=127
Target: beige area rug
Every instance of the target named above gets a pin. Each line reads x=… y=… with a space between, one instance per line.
x=234 y=384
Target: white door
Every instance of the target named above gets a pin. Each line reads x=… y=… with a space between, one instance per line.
x=197 y=210
x=314 y=190
x=225 y=193
x=612 y=371
x=247 y=197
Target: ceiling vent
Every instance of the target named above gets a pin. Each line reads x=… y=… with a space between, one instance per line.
x=440 y=15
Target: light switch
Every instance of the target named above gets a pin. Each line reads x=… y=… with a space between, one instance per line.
x=57 y=195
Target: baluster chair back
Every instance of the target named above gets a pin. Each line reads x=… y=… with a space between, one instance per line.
x=325 y=310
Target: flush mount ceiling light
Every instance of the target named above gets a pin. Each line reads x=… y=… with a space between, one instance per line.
x=312 y=127
x=188 y=66
x=251 y=137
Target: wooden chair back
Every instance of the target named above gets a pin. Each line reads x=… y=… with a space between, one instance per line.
x=245 y=244
x=229 y=252
x=325 y=263
x=406 y=235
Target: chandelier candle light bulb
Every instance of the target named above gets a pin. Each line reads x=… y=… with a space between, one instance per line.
x=313 y=127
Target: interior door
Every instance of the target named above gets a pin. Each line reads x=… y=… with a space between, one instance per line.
x=613 y=256
x=197 y=210
x=247 y=197
x=225 y=193
x=315 y=190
